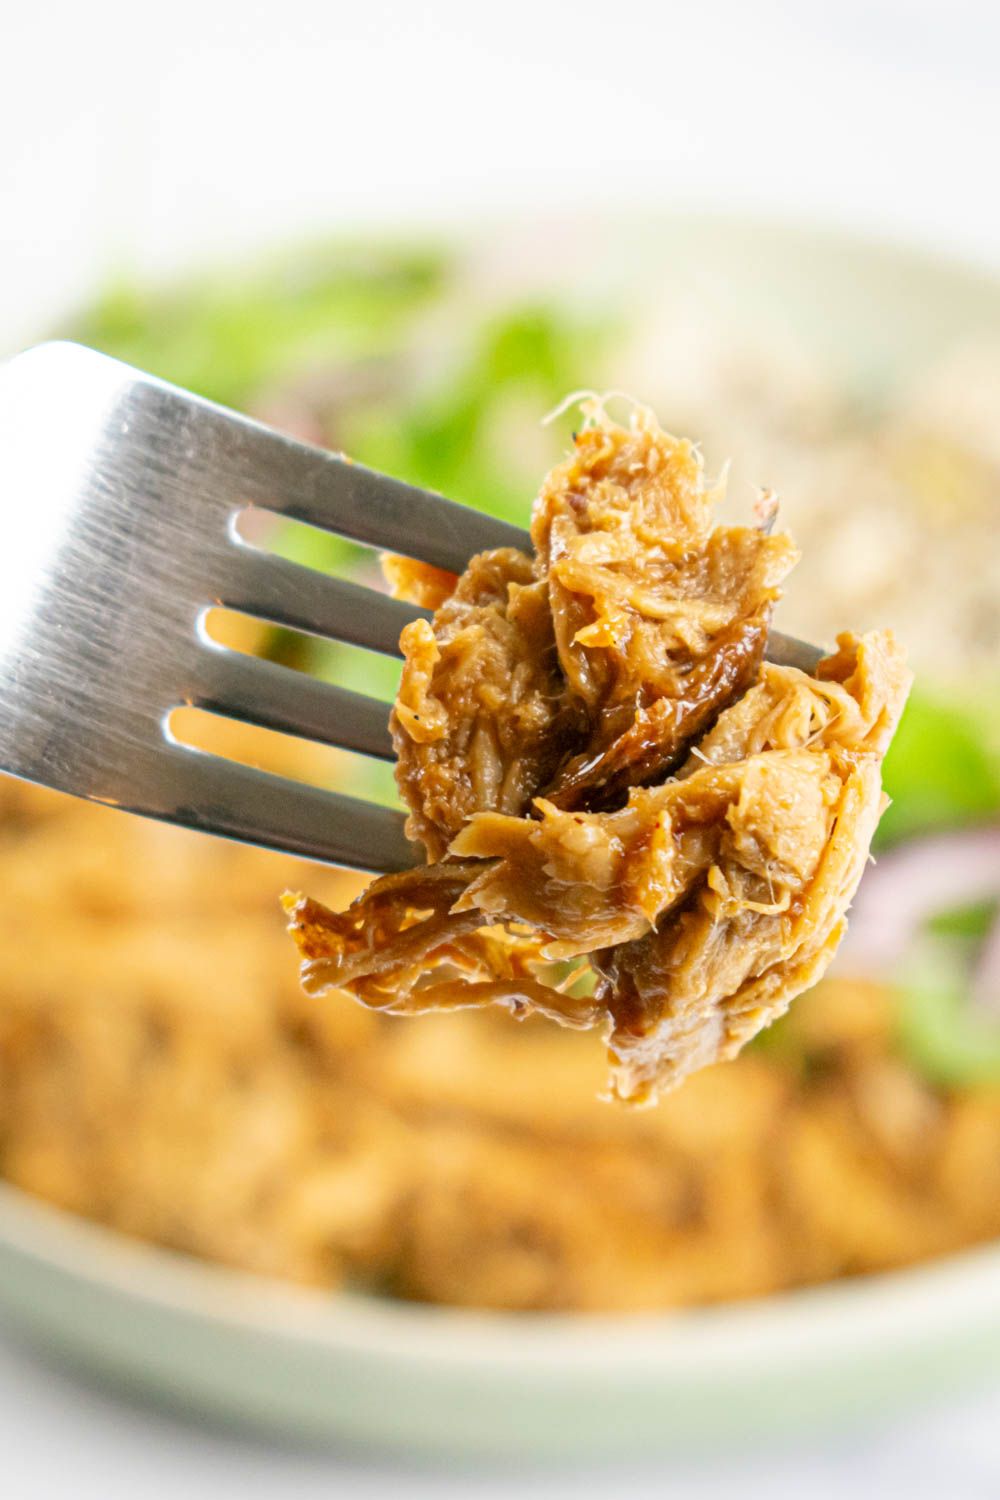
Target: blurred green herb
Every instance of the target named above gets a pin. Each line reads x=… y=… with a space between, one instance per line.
x=942 y=769
x=475 y=434
x=940 y=1034
x=970 y=923
x=230 y=336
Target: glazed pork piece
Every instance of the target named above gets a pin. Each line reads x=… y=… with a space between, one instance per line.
x=630 y=819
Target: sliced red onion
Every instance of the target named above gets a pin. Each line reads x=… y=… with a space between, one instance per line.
x=915 y=881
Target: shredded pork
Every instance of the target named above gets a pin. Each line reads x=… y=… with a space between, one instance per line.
x=629 y=818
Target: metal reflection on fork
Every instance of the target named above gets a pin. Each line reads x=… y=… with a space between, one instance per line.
x=123 y=494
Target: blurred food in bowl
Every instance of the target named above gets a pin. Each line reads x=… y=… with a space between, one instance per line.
x=159 y=1070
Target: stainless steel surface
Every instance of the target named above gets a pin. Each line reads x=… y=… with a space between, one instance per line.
x=789 y=651
x=134 y=489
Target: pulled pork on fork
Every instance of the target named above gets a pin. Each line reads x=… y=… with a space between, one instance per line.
x=630 y=819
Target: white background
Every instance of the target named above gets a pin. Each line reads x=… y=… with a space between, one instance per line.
x=149 y=134
x=147 y=137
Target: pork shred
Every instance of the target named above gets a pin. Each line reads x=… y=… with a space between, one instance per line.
x=629 y=818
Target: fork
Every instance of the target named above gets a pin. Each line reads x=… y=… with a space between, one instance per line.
x=129 y=492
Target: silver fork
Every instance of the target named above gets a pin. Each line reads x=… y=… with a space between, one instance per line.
x=125 y=494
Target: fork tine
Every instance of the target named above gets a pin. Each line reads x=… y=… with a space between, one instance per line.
x=294 y=479
x=276 y=697
x=332 y=492
x=788 y=651
x=258 y=807
x=386 y=513
x=286 y=593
